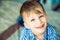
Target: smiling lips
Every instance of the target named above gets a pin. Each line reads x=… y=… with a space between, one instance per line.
x=41 y=26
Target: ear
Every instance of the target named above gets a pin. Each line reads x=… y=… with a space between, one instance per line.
x=26 y=25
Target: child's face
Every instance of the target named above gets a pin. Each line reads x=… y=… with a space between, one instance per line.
x=36 y=22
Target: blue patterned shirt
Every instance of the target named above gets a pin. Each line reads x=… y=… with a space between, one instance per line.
x=50 y=34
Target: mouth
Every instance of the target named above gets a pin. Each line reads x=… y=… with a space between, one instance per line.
x=41 y=26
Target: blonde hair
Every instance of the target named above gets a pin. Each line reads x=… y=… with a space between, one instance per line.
x=29 y=6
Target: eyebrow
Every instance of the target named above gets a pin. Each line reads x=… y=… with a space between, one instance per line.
x=39 y=12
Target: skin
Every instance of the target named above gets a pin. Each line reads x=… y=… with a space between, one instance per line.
x=37 y=23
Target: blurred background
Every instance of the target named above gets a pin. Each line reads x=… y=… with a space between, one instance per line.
x=9 y=12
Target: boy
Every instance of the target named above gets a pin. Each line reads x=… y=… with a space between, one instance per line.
x=35 y=23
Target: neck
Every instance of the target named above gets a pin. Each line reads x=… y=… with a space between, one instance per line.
x=39 y=36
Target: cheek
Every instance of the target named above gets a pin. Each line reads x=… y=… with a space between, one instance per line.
x=44 y=19
x=31 y=25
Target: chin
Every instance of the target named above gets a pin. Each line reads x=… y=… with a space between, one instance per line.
x=40 y=32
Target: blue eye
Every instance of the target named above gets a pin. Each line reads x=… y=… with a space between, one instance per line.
x=32 y=20
x=41 y=16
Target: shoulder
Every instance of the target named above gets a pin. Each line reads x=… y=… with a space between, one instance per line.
x=51 y=28
x=26 y=34
x=52 y=34
x=23 y=33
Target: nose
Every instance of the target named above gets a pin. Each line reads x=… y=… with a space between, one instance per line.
x=39 y=21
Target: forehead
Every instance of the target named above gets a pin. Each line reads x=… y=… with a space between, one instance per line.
x=35 y=13
x=32 y=12
x=35 y=10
